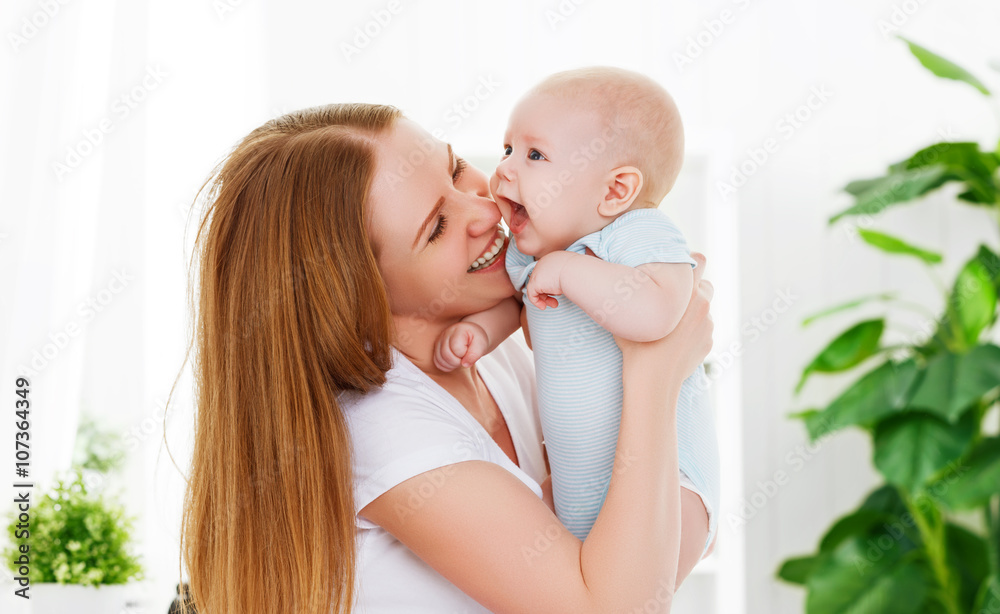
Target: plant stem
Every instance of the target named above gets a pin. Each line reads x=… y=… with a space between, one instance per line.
x=993 y=531
x=934 y=544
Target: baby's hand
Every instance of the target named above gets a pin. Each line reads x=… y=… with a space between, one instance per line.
x=545 y=282
x=460 y=344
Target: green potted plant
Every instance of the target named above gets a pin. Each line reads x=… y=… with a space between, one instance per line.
x=79 y=540
x=928 y=540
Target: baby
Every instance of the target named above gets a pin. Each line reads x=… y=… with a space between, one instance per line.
x=588 y=155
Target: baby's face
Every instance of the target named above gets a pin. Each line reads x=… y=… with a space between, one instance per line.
x=553 y=174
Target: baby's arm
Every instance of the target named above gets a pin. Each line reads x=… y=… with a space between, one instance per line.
x=478 y=334
x=644 y=303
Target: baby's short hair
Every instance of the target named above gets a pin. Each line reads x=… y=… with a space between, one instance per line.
x=651 y=135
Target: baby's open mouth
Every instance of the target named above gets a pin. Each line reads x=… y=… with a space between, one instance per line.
x=491 y=255
x=518 y=217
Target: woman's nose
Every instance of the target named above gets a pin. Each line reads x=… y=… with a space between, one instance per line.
x=483 y=215
x=480 y=182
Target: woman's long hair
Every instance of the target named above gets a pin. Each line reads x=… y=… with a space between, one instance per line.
x=291 y=309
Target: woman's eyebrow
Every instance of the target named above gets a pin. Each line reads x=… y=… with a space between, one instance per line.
x=440 y=202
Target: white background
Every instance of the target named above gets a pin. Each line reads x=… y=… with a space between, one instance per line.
x=197 y=76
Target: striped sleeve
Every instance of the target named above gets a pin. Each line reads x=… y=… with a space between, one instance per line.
x=643 y=236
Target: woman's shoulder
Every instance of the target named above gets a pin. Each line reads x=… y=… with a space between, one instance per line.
x=404 y=387
x=405 y=381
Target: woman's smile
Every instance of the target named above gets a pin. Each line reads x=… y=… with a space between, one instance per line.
x=492 y=255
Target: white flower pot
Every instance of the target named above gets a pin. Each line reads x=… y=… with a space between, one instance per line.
x=51 y=598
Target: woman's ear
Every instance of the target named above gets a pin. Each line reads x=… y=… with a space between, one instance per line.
x=624 y=185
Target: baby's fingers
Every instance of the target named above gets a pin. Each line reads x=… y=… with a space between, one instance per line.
x=699 y=270
x=477 y=347
x=459 y=344
x=543 y=300
x=444 y=357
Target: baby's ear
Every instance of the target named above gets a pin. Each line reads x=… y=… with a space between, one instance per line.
x=623 y=187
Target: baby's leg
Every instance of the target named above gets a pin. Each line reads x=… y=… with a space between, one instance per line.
x=694 y=532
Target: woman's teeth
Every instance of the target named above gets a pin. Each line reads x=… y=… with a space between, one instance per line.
x=489 y=257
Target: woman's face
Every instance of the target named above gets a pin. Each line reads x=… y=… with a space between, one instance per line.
x=432 y=221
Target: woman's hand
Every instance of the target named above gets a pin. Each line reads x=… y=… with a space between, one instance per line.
x=680 y=352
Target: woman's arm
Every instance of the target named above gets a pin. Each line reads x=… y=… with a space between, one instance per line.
x=491 y=536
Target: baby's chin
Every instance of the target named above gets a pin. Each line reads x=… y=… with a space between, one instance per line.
x=529 y=245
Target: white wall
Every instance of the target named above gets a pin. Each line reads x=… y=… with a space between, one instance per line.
x=883 y=107
x=230 y=64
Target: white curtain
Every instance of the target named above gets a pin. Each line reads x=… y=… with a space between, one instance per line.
x=116 y=113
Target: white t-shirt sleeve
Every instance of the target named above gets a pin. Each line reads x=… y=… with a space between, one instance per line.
x=399 y=432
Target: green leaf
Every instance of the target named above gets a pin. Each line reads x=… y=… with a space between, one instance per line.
x=952 y=382
x=880 y=392
x=78 y=538
x=894 y=245
x=911 y=446
x=972 y=304
x=885 y=296
x=859 y=522
x=860 y=186
x=924 y=171
x=880 y=514
x=967 y=555
x=865 y=576
x=886 y=499
x=991 y=263
x=973 y=480
x=869 y=561
x=797 y=570
x=802 y=414
x=963 y=161
x=848 y=350
x=988 y=597
x=896 y=187
x=943 y=68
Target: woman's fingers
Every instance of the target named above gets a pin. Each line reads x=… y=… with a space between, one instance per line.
x=699 y=270
x=707 y=289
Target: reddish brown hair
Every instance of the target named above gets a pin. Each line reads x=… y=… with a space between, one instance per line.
x=291 y=309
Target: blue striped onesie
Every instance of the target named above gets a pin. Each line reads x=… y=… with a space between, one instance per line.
x=579 y=375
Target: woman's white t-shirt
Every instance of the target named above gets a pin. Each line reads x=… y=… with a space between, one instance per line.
x=411 y=425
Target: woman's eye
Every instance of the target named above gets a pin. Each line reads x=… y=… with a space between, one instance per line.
x=438 y=229
x=459 y=169
x=534 y=154
x=507 y=149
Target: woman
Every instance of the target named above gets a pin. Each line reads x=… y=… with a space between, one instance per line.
x=334 y=465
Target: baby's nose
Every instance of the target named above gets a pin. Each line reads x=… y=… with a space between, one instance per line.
x=503 y=170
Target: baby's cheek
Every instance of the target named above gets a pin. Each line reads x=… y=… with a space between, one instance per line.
x=494 y=182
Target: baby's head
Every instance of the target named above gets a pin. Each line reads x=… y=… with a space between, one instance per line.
x=581 y=148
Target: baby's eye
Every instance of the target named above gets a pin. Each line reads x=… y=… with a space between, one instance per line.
x=507 y=149
x=534 y=154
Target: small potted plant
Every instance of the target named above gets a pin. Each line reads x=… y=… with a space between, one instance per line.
x=79 y=557
x=79 y=551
